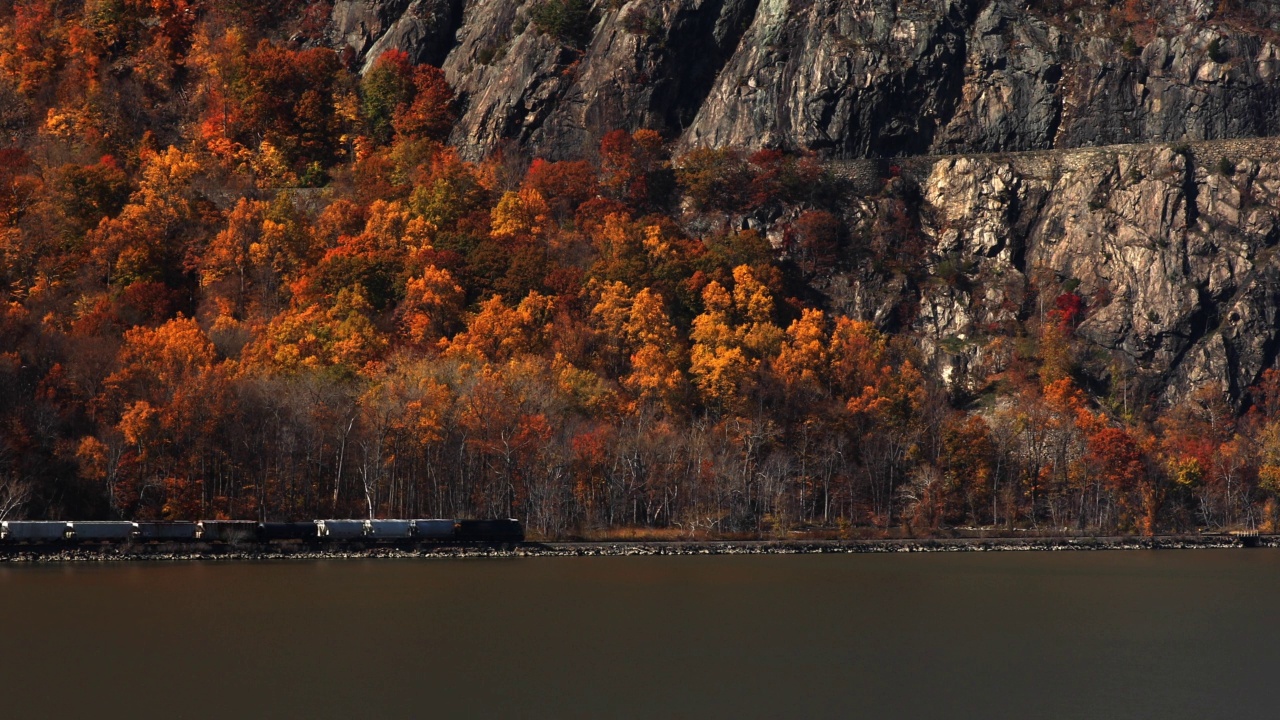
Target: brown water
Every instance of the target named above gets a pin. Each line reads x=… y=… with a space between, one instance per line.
x=1190 y=634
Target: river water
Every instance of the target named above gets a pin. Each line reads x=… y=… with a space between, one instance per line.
x=1169 y=634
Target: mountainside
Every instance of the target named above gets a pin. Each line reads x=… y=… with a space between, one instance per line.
x=707 y=266
x=872 y=78
x=1172 y=239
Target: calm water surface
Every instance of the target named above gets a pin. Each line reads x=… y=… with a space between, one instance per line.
x=1192 y=634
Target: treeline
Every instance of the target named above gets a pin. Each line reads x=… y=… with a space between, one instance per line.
x=243 y=281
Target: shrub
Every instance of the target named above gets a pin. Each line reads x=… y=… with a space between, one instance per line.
x=569 y=21
x=814 y=238
x=643 y=21
x=715 y=179
x=634 y=20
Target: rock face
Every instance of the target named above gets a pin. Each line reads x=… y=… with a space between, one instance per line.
x=423 y=28
x=1171 y=248
x=645 y=66
x=847 y=78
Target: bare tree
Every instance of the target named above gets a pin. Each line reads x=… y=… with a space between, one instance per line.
x=14 y=494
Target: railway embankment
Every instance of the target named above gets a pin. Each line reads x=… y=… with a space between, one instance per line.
x=53 y=553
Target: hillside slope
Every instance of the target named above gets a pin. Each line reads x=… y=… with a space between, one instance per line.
x=1020 y=270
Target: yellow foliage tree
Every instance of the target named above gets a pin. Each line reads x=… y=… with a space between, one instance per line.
x=655 y=359
x=731 y=338
x=802 y=362
x=155 y=362
x=720 y=368
x=858 y=358
x=230 y=253
x=499 y=332
x=522 y=215
x=315 y=336
x=432 y=302
x=138 y=243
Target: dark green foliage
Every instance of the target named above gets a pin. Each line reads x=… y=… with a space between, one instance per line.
x=387 y=86
x=89 y=192
x=569 y=21
x=643 y=21
x=381 y=278
x=716 y=179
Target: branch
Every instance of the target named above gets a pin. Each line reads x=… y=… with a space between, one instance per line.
x=14 y=494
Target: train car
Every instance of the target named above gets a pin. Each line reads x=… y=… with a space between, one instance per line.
x=227 y=531
x=341 y=529
x=435 y=530
x=102 y=531
x=269 y=531
x=167 y=531
x=390 y=529
x=33 y=530
x=236 y=531
x=490 y=531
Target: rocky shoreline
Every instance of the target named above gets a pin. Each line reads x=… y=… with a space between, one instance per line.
x=206 y=553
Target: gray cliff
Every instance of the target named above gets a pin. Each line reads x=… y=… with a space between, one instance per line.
x=1170 y=246
x=846 y=78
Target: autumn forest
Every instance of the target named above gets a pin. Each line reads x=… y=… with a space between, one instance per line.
x=242 y=280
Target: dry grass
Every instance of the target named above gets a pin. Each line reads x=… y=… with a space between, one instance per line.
x=643 y=534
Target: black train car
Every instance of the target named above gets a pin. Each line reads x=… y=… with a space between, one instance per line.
x=228 y=531
x=167 y=530
x=490 y=531
x=287 y=531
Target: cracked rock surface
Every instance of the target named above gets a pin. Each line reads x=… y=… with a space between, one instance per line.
x=1172 y=248
x=846 y=78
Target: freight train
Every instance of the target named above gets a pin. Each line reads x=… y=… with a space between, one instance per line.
x=238 y=531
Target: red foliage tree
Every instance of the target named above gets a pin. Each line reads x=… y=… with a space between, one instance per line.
x=429 y=114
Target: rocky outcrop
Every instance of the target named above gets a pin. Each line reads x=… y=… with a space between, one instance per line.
x=889 y=79
x=423 y=28
x=863 y=78
x=1170 y=247
x=645 y=66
